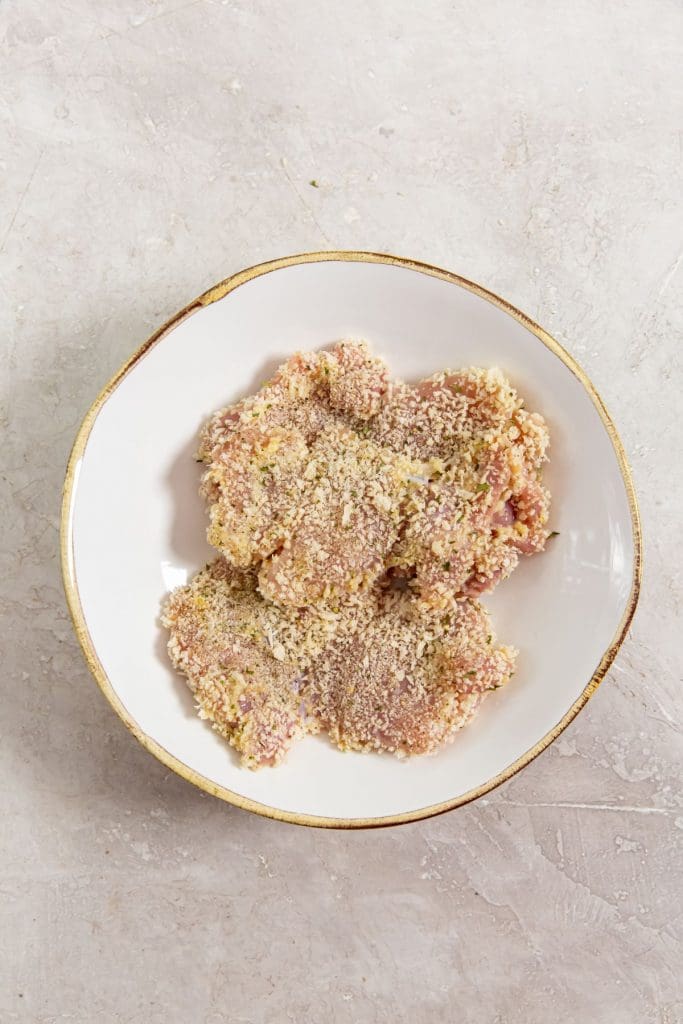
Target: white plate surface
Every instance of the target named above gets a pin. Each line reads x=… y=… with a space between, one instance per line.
x=134 y=526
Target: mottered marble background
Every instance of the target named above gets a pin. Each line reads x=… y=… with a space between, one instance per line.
x=149 y=148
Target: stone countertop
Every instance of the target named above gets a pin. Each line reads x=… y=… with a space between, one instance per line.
x=151 y=147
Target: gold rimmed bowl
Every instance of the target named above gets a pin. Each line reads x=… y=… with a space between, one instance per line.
x=133 y=527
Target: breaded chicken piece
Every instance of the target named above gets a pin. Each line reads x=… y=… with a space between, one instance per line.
x=310 y=390
x=271 y=456
x=403 y=680
x=483 y=505
x=439 y=416
x=357 y=382
x=245 y=659
x=347 y=520
x=253 y=489
x=293 y=399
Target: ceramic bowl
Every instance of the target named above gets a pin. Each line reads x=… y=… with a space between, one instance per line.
x=133 y=527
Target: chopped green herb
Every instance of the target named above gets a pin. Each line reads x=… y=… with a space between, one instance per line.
x=314 y=183
x=483 y=487
x=554 y=533
x=489 y=638
x=470 y=675
x=447 y=566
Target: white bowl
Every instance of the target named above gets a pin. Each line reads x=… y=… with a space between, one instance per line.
x=133 y=527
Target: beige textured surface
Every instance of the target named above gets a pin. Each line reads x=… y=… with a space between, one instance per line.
x=148 y=149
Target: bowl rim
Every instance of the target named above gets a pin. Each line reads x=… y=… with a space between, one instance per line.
x=214 y=294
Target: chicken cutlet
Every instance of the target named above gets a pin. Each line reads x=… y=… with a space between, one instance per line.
x=292 y=485
x=347 y=520
x=244 y=659
x=483 y=504
x=402 y=679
